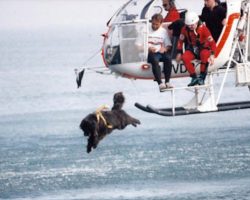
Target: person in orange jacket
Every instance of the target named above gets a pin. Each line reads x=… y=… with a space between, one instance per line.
x=174 y=23
x=199 y=44
x=173 y=13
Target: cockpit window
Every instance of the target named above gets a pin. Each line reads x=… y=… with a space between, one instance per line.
x=132 y=11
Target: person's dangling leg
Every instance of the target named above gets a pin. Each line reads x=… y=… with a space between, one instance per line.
x=153 y=59
x=167 y=69
x=204 y=56
x=187 y=57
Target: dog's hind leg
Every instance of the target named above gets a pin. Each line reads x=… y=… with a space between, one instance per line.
x=134 y=122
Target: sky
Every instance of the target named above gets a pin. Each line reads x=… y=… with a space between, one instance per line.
x=43 y=14
x=40 y=14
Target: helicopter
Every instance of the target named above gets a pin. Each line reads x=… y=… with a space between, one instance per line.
x=122 y=56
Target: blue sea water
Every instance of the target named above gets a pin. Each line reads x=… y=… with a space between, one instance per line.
x=43 y=152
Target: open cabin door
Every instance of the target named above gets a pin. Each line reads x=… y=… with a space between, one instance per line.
x=126 y=40
x=126 y=43
x=128 y=27
x=133 y=42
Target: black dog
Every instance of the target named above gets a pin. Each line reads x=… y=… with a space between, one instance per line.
x=101 y=123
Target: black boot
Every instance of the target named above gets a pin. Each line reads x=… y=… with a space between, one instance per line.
x=202 y=78
x=194 y=80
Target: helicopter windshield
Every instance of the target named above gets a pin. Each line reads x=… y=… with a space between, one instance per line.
x=127 y=41
x=133 y=10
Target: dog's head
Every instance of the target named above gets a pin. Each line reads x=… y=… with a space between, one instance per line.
x=88 y=124
x=118 y=100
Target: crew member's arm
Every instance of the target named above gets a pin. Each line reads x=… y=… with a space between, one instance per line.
x=167 y=44
x=222 y=15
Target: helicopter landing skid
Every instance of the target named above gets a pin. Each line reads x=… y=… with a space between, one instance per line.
x=182 y=111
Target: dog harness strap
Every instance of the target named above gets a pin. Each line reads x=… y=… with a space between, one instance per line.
x=99 y=116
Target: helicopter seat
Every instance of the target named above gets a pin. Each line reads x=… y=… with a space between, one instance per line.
x=113 y=55
x=176 y=27
x=182 y=13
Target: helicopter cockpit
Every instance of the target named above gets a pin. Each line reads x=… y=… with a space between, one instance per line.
x=129 y=24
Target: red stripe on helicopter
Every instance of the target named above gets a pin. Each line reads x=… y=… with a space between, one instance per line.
x=105 y=37
x=135 y=77
x=105 y=63
x=226 y=33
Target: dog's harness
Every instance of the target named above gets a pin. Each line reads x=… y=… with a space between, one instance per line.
x=100 y=116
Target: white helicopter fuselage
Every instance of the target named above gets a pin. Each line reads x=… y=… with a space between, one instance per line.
x=122 y=56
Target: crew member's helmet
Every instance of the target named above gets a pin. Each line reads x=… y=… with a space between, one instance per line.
x=191 y=18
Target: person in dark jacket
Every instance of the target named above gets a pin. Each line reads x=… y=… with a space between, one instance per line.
x=214 y=15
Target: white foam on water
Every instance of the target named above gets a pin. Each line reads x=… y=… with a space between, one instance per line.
x=157 y=190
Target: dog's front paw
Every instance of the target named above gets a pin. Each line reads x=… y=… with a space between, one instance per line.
x=89 y=145
x=89 y=149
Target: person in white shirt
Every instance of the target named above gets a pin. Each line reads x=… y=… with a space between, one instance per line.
x=159 y=46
